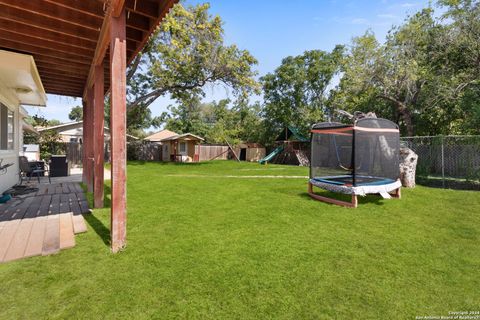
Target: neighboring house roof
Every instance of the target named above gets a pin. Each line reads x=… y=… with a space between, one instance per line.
x=161 y=135
x=292 y=134
x=75 y=128
x=63 y=126
x=26 y=127
x=184 y=136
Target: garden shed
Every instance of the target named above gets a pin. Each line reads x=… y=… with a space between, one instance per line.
x=249 y=151
x=180 y=148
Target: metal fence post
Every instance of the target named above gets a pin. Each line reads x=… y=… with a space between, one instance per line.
x=443 y=161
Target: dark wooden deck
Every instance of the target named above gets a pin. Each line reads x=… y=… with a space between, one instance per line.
x=42 y=222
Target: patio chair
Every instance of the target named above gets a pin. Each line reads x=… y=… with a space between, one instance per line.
x=27 y=170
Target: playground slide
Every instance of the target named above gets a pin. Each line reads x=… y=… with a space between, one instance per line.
x=271 y=155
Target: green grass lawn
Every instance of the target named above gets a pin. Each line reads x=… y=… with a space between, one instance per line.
x=203 y=243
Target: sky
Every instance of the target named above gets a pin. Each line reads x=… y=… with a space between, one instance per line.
x=274 y=29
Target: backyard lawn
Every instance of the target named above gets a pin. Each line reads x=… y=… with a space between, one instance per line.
x=222 y=240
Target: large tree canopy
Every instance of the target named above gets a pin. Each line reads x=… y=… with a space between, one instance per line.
x=186 y=54
x=296 y=92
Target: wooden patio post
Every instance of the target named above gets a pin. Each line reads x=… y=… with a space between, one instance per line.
x=118 y=49
x=98 y=134
x=88 y=137
x=84 y=151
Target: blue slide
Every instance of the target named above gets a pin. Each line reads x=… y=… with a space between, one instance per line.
x=271 y=155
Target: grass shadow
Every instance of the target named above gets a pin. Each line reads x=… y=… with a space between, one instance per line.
x=100 y=229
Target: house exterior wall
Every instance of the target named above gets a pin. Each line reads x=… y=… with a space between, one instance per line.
x=10 y=177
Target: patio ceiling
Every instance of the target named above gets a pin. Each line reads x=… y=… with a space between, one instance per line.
x=67 y=37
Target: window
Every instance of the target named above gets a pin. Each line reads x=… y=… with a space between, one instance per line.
x=183 y=147
x=7 y=139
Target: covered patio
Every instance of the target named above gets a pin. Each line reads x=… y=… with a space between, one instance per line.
x=82 y=49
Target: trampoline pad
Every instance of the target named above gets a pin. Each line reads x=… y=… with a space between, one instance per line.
x=365 y=185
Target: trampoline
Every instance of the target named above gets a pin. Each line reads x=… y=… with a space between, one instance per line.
x=356 y=159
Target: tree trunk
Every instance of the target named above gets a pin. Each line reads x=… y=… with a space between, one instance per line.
x=403 y=111
x=408 y=165
x=407 y=118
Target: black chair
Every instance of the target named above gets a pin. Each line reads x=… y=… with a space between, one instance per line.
x=27 y=170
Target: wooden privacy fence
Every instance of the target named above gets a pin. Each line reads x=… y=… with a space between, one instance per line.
x=146 y=151
x=210 y=151
x=74 y=150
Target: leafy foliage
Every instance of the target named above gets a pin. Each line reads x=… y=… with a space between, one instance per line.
x=424 y=76
x=185 y=55
x=76 y=114
x=297 y=91
x=217 y=121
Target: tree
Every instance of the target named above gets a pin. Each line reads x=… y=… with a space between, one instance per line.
x=217 y=121
x=424 y=76
x=297 y=91
x=185 y=55
x=76 y=114
x=395 y=72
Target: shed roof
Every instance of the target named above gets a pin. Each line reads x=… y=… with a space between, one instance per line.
x=184 y=136
x=158 y=136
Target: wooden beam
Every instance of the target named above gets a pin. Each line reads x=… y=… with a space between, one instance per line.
x=93 y=8
x=98 y=133
x=56 y=87
x=67 y=68
x=163 y=10
x=63 y=92
x=39 y=21
x=33 y=50
x=43 y=34
x=146 y=8
x=58 y=73
x=138 y=22
x=117 y=7
x=118 y=51
x=56 y=12
x=59 y=84
x=47 y=44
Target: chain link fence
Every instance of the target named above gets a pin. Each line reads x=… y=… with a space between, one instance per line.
x=447 y=161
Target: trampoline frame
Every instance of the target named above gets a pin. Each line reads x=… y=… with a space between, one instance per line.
x=395 y=192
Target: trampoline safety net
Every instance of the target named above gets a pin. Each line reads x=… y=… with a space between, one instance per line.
x=360 y=154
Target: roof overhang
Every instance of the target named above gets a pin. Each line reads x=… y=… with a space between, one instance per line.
x=20 y=79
